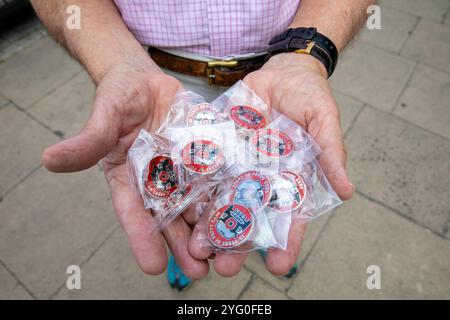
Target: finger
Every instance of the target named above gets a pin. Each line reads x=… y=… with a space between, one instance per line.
x=147 y=246
x=229 y=264
x=279 y=261
x=94 y=142
x=199 y=245
x=177 y=236
x=333 y=158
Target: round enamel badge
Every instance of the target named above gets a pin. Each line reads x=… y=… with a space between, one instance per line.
x=203 y=113
x=272 y=143
x=202 y=156
x=251 y=189
x=247 y=117
x=230 y=226
x=288 y=191
x=160 y=178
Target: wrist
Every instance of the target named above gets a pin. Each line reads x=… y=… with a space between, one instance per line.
x=292 y=59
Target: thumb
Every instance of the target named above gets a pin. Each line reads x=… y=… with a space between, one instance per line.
x=333 y=158
x=95 y=141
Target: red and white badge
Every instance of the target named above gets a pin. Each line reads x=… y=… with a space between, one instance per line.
x=247 y=117
x=160 y=177
x=251 y=189
x=272 y=143
x=202 y=156
x=203 y=113
x=230 y=226
x=288 y=191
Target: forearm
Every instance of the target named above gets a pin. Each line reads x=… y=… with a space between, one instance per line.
x=339 y=20
x=103 y=40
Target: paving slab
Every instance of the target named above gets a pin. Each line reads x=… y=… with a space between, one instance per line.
x=414 y=263
x=112 y=273
x=430 y=9
x=3 y=102
x=429 y=44
x=349 y=108
x=32 y=71
x=396 y=27
x=22 y=141
x=426 y=101
x=52 y=221
x=260 y=290
x=372 y=75
x=67 y=109
x=255 y=263
x=402 y=166
x=10 y=288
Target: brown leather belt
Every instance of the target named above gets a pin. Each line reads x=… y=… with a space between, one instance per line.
x=218 y=72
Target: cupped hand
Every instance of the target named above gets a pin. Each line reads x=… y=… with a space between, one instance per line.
x=297 y=86
x=128 y=97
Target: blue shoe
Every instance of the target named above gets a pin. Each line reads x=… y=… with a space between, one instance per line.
x=292 y=272
x=177 y=279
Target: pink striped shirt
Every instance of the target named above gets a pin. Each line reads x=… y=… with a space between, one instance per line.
x=214 y=28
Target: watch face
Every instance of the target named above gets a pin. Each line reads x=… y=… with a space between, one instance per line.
x=160 y=178
x=230 y=226
x=252 y=190
x=203 y=156
x=203 y=113
x=247 y=117
x=288 y=192
x=272 y=143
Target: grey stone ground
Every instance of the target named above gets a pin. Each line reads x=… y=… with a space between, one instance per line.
x=393 y=87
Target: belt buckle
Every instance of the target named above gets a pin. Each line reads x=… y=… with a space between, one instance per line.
x=218 y=63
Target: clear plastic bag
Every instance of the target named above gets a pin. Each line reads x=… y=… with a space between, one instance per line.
x=204 y=152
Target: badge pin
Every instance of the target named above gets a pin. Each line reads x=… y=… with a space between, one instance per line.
x=230 y=226
x=202 y=156
x=203 y=113
x=160 y=177
x=251 y=189
x=288 y=192
x=247 y=117
x=272 y=143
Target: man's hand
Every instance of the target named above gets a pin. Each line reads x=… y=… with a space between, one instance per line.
x=129 y=97
x=297 y=86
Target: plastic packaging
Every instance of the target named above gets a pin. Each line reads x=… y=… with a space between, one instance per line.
x=246 y=168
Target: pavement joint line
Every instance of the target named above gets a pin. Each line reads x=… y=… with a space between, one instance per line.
x=2 y=197
x=52 y=296
x=12 y=274
x=308 y=254
x=410 y=123
x=410 y=33
x=15 y=52
x=283 y=292
x=58 y=86
x=405 y=87
x=386 y=4
x=401 y=214
x=350 y=127
x=247 y=285
x=39 y=122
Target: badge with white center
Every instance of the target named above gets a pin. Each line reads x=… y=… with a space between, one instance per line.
x=230 y=226
x=159 y=177
x=202 y=156
x=203 y=113
x=272 y=143
x=288 y=192
x=252 y=190
x=247 y=118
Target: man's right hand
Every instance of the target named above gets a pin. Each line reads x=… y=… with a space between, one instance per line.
x=128 y=97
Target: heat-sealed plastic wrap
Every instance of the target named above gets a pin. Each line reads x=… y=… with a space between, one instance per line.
x=243 y=168
x=203 y=152
x=155 y=178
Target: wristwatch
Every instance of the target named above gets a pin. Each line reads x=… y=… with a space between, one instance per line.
x=305 y=41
